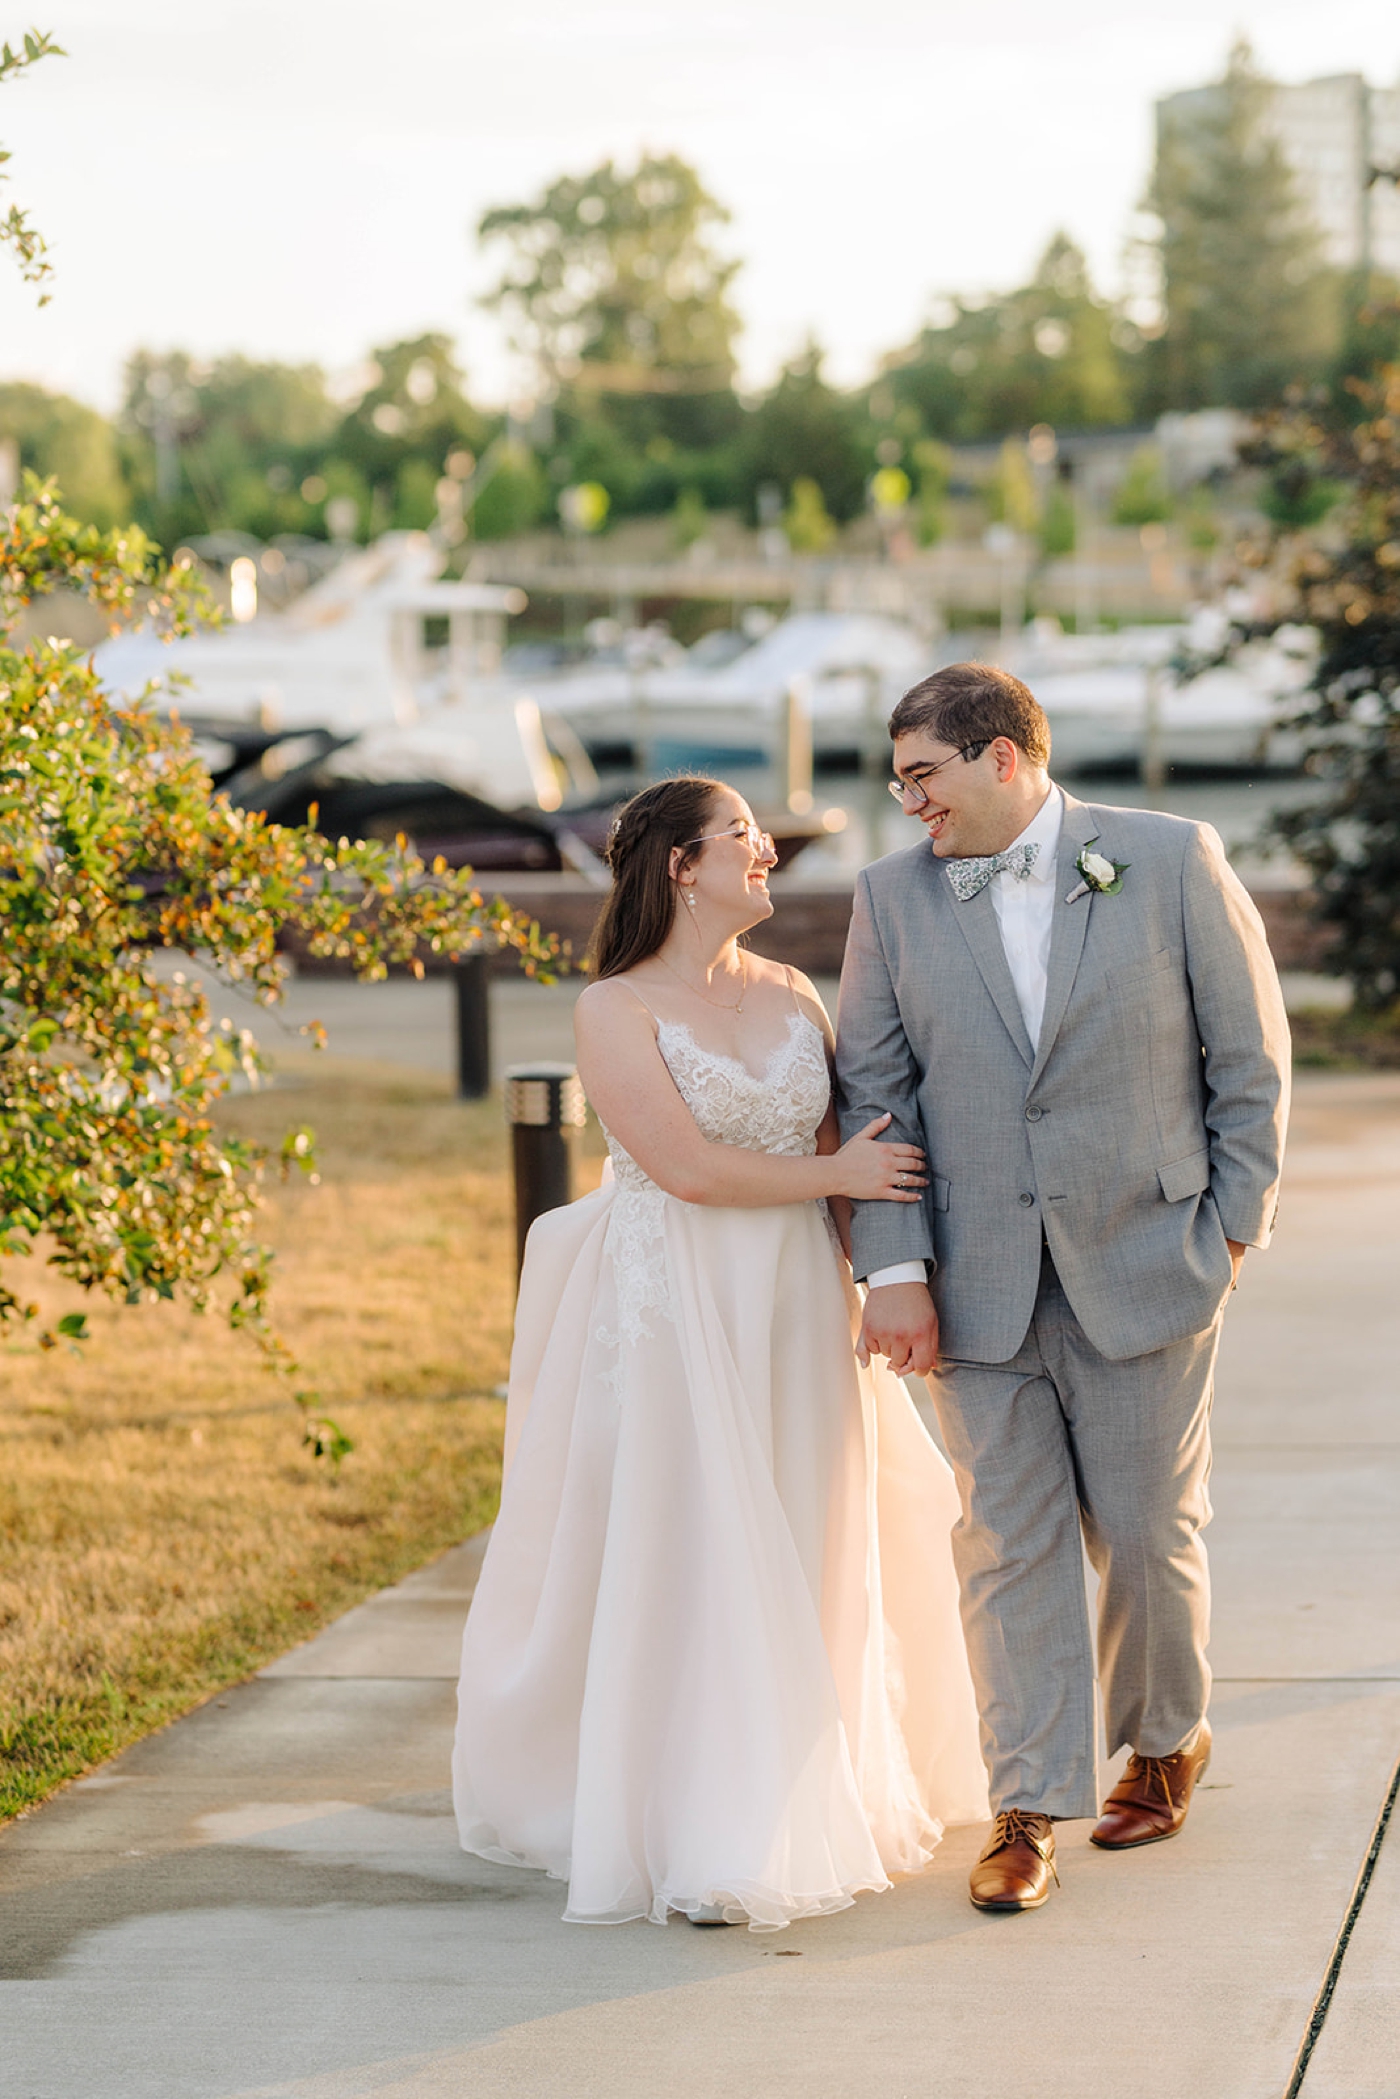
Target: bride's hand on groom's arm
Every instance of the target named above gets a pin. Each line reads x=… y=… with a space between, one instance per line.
x=869 y=1171
x=900 y=1323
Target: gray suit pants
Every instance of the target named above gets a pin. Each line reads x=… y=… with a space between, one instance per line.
x=1057 y=1439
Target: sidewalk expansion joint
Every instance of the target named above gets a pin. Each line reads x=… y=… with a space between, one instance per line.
x=1330 y=1980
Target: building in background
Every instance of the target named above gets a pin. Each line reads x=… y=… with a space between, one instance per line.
x=1341 y=137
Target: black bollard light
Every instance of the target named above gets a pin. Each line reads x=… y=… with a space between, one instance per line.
x=471 y=987
x=545 y=1108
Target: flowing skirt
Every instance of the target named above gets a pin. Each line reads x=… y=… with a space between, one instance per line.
x=714 y=1660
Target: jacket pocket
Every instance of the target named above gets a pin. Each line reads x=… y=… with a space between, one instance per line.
x=1185 y=1177
x=939 y=1191
x=1143 y=972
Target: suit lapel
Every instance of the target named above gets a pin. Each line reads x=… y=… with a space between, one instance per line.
x=977 y=922
x=1068 y=927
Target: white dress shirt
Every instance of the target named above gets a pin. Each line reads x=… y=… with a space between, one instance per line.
x=1025 y=909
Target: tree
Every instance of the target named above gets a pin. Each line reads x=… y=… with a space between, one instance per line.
x=406 y=427
x=1058 y=524
x=1141 y=496
x=515 y=493
x=809 y=529
x=613 y=278
x=17 y=230
x=56 y=436
x=1012 y=498
x=618 y=297
x=933 y=464
x=1050 y=352
x=262 y=448
x=112 y=844
x=1369 y=336
x=803 y=429
x=1343 y=580
x=227 y=444
x=1248 y=306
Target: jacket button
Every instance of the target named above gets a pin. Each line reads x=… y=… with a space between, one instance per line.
x=1026 y=1200
x=1033 y=1113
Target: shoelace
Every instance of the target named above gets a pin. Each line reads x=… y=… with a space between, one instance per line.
x=1153 y=1771
x=1013 y=1823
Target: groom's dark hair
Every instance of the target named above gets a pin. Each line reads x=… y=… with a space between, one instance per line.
x=969 y=703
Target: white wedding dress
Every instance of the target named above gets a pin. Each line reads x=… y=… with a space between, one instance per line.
x=714 y=1659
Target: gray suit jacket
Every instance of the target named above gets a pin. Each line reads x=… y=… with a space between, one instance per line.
x=1145 y=1130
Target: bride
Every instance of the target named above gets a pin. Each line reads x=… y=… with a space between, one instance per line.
x=714 y=1663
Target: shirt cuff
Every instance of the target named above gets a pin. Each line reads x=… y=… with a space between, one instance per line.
x=897 y=1272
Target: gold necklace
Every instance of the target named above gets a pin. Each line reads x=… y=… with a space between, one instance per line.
x=717 y=1003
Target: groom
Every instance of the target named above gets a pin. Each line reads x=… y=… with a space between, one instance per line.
x=1072 y=1009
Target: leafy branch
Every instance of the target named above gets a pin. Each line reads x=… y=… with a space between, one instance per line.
x=1330 y=562
x=17 y=231
x=112 y=846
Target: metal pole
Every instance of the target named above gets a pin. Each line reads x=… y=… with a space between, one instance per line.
x=545 y=1108
x=1152 y=764
x=469 y=981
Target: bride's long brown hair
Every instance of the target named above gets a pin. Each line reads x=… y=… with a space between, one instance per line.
x=641 y=908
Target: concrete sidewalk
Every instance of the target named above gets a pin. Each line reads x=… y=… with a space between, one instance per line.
x=267 y=1898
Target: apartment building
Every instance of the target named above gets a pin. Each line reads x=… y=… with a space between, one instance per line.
x=1341 y=137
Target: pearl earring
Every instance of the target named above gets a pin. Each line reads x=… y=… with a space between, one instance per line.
x=689 y=895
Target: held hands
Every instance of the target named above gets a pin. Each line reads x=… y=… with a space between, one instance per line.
x=902 y=1324
x=875 y=1172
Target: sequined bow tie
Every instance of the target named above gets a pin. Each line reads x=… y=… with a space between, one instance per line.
x=970 y=876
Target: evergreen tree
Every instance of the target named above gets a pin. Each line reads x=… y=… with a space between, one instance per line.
x=1248 y=304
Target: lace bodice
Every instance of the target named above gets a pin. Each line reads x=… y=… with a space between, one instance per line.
x=777 y=1110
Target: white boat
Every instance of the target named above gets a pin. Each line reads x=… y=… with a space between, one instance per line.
x=398 y=667
x=1100 y=693
x=848 y=668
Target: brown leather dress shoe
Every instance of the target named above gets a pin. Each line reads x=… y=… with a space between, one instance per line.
x=1018 y=1865
x=1150 y=1800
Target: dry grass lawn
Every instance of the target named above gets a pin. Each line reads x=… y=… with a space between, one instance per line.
x=162 y=1533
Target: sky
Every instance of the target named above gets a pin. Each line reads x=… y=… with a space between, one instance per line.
x=301 y=179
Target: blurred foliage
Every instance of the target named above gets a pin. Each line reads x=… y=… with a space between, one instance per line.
x=1057 y=522
x=1051 y=352
x=1199 y=521
x=689 y=518
x=613 y=282
x=1248 y=306
x=112 y=846
x=933 y=470
x=805 y=430
x=17 y=230
x=515 y=492
x=1342 y=578
x=1012 y=497
x=619 y=296
x=53 y=435
x=1142 y=497
x=808 y=523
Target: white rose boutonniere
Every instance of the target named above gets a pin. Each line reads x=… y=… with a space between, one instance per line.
x=1098 y=875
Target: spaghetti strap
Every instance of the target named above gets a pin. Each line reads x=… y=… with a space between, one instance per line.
x=645 y=1004
x=792 y=992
